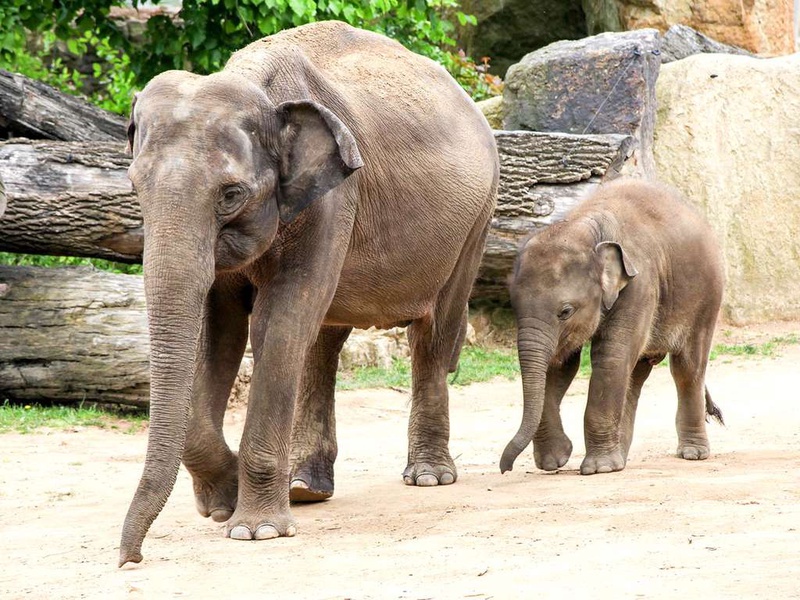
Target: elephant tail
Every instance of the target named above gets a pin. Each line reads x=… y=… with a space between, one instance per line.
x=712 y=410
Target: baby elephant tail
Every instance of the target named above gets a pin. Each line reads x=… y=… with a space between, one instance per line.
x=712 y=410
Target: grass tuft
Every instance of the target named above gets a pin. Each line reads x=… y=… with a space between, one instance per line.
x=27 y=418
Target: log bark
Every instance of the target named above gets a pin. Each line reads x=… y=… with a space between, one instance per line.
x=33 y=109
x=75 y=198
x=73 y=335
x=71 y=199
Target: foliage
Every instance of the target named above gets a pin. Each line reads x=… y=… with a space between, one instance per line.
x=34 y=260
x=27 y=418
x=204 y=35
x=110 y=83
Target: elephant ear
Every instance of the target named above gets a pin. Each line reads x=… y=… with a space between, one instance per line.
x=317 y=153
x=131 y=126
x=616 y=271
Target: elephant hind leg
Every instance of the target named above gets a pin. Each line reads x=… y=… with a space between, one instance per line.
x=436 y=342
x=314 y=449
x=640 y=374
x=690 y=421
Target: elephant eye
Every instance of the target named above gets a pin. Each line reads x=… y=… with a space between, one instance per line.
x=232 y=198
x=566 y=312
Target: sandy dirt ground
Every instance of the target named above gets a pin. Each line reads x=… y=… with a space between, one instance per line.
x=727 y=527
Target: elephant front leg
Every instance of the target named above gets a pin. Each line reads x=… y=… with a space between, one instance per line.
x=314 y=445
x=608 y=390
x=262 y=510
x=551 y=446
x=207 y=457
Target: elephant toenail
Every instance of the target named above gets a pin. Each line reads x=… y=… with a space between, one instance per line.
x=408 y=480
x=446 y=479
x=427 y=480
x=241 y=532
x=266 y=532
x=291 y=531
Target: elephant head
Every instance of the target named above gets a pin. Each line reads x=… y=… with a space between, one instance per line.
x=562 y=285
x=218 y=169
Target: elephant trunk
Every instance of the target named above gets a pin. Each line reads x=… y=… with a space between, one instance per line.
x=179 y=271
x=536 y=350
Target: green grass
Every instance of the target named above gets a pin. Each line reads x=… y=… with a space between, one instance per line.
x=27 y=418
x=769 y=348
x=476 y=365
x=35 y=260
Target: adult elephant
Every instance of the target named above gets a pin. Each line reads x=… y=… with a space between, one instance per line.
x=327 y=178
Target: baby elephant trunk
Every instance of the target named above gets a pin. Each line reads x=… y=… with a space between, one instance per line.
x=535 y=354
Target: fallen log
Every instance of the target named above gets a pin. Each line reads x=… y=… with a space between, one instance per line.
x=73 y=335
x=75 y=198
x=33 y=109
x=69 y=199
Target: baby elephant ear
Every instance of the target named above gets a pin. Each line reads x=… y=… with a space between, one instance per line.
x=617 y=271
x=317 y=153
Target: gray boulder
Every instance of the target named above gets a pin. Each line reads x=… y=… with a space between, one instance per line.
x=681 y=41
x=600 y=84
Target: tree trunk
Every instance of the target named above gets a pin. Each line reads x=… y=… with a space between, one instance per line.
x=30 y=108
x=72 y=335
x=75 y=198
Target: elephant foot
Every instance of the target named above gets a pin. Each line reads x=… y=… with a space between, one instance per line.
x=428 y=474
x=260 y=526
x=689 y=451
x=552 y=454
x=311 y=480
x=594 y=463
x=216 y=498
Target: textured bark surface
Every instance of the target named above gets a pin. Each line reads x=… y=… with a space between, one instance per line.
x=600 y=84
x=72 y=335
x=70 y=199
x=33 y=109
x=2 y=196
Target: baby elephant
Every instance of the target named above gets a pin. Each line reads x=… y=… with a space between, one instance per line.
x=637 y=271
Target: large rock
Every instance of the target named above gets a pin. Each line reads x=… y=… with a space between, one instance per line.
x=728 y=136
x=600 y=84
x=761 y=26
x=681 y=41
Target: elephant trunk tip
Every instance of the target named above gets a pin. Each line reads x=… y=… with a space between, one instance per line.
x=510 y=454
x=129 y=556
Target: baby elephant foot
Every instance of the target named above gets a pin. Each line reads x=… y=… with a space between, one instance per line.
x=695 y=451
x=602 y=463
x=260 y=526
x=428 y=474
x=216 y=498
x=552 y=454
x=311 y=481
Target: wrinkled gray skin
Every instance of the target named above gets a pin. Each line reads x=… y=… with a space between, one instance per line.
x=326 y=179
x=637 y=272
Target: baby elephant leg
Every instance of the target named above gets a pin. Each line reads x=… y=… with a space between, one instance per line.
x=690 y=421
x=551 y=446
